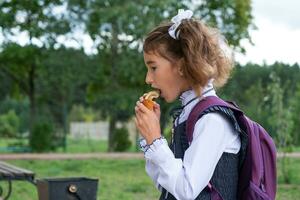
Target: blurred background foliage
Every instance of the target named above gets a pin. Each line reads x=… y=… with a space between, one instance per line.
x=45 y=84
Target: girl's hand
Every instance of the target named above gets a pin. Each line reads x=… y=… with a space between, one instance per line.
x=156 y=107
x=147 y=121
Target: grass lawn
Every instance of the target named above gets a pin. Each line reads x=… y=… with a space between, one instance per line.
x=73 y=145
x=10 y=145
x=120 y=179
x=88 y=145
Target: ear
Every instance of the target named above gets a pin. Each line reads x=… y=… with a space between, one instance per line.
x=180 y=67
x=180 y=71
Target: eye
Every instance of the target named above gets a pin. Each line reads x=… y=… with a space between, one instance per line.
x=153 y=68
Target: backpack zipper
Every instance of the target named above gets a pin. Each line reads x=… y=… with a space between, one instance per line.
x=262 y=186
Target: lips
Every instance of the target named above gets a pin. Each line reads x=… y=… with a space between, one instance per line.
x=158 y=90
x=161 y=94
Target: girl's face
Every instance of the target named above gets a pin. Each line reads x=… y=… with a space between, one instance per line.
x=164 y=76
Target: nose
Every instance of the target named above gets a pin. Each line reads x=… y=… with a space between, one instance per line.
x=149 y=79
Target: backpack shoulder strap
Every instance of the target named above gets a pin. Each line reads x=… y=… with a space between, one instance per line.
x=203 y=105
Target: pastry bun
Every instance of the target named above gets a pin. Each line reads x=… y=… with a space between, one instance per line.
x=148 y=99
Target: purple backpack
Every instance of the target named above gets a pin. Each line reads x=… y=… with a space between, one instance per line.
x=257 y=175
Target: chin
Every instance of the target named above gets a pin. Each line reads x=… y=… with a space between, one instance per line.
x=170 y=99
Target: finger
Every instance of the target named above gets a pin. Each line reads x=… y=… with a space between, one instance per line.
x=137 y=103
x=137 y=112
x=156 y=108
x=141 y=98
x=142 y=107
x=137 y=107
x=138 y=125
x=138 y=121
x=156 y=105
x=141 y=116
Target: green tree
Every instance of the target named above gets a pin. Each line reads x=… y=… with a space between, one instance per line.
x=37 y=20
x=295 y=107
x=5 y=86
x=20 y=106
x=244 y=77
x=255 y=104
x=9 y=124
x=62 y=82
x=79 y=113
x=21 y=65
x=232 y=17
x=281 y=123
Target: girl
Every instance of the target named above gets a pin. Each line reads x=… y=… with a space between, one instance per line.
x=186 y=59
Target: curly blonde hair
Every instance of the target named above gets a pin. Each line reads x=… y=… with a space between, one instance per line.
x=199 y=47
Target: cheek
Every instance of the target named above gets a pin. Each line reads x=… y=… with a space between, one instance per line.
x=174 y=80
x=171 y=89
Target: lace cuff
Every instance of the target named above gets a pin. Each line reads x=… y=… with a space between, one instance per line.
x=154 y=145
x=143 y=145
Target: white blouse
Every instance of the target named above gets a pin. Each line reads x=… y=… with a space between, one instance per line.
x=213 y=135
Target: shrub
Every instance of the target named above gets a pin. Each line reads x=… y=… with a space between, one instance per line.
x=121 y=140
x=9 y=124
x=41 y=137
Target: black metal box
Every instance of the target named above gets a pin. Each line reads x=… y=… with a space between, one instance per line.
x=78 y=188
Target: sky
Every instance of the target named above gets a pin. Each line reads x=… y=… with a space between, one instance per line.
x=277 y=37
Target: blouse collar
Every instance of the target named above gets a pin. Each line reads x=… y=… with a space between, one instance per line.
x=188 y=95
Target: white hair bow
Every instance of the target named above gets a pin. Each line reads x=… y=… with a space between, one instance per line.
x=182 y=14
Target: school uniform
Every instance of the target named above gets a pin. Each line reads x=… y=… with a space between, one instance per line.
x=182 y=170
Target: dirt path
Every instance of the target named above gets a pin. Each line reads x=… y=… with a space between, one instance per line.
x=65 y=156
x=84 y=156
x=291 y=155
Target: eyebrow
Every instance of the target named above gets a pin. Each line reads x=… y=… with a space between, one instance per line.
x=149 y=62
